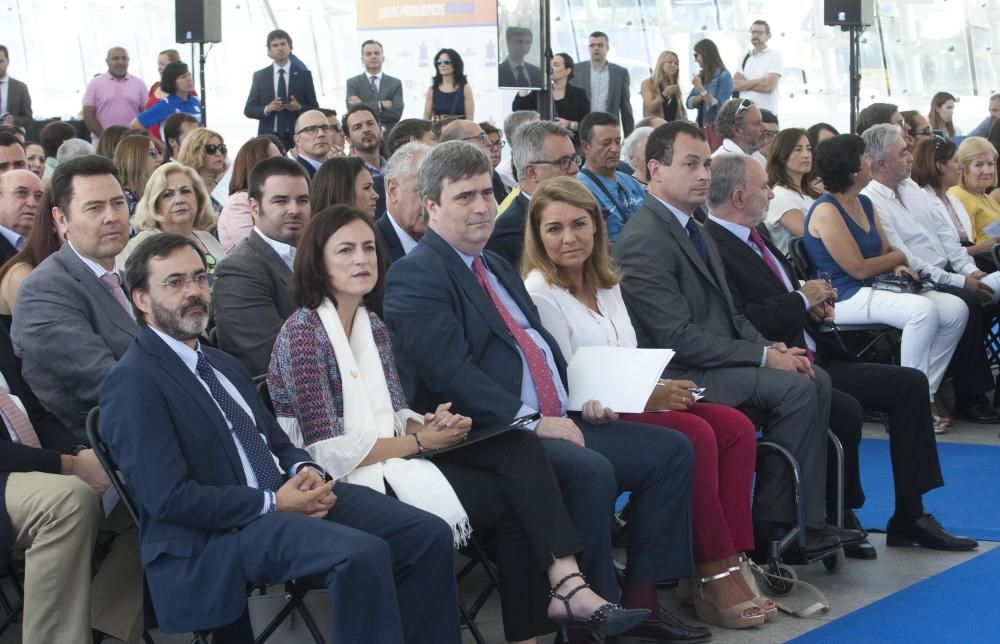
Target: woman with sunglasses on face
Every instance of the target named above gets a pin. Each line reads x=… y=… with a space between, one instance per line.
x=449 y=93
x=337 y=393
x=569 y=276
x=789 y=170
x=175 y=201
x=136 y=159
x=204 y=151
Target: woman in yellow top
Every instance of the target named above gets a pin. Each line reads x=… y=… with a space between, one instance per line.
x=979 y=174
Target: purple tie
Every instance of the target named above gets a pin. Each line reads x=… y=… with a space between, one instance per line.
x=758 y=241
x=114 y=284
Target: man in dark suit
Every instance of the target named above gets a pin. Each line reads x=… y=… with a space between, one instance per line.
x=606 y=84
x=312 y=140
x=464 y=329
x=674 y=285
x=514 y=71
x=377 y=90
x=15 y=101
x=540 y=150
x=73 y=321
x=403 y=223
x=252 y=289
x=280 y=91
x=763 y=288
x=20 y=194
x=225 y=500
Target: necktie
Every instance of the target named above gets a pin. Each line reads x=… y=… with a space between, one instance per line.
x=374 y=88
x=758 y=241
x=114 y=284
x=18 y=420
x=694 y=232
x=282 y=87
x=254 y=446
x=548 y=397
x=522 y=80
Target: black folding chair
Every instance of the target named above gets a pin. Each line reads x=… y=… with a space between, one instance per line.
x=295 y=590
x=8 y=572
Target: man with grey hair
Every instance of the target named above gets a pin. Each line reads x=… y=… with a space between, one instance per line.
x=634 y=153
x=741 y=126
x=73 y=149
x=914 y=226
x=464 y=329
x=541 y=150
x=511 y=124
x=403 y=223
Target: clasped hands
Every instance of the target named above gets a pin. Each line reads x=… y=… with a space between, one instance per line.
x=780 y=356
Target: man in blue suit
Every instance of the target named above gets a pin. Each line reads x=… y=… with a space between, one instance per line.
x=464 y=329
x=226 y=501
x=280 y=91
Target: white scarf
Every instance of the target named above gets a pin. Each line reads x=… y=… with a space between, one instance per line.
x=368 y=416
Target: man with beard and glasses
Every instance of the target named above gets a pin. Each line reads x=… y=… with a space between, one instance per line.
x=226 y=501
x=73 y=319
x=252 y=294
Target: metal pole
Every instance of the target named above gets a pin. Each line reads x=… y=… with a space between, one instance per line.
x=854 y=33
x=545 y=95
x=201 y=77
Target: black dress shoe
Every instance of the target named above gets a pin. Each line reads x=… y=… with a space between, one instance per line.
x=667 y=627
x=852 y=521
x=846 y=535
x=974 y=411
x=861 y=550
x=926 y=532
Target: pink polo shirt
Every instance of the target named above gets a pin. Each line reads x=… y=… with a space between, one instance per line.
x=117 y=101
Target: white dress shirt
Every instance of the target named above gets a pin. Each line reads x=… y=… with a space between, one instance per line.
x=6 y=421
x=285 y=251
x=408 y=242
x=730 y=147
x=963 y=215
x=288 y=77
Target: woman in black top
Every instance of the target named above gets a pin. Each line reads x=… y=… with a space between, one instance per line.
x=661 y=92
x=571 y=102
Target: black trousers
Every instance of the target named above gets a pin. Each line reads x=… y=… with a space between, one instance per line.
x=969 y=367
x=901 y=392
x=512 y=497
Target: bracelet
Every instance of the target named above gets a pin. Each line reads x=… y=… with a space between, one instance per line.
x=420 y=448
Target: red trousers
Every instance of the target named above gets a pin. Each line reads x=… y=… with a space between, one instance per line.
x=725 y=448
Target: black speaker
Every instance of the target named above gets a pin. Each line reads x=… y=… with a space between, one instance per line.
x=849 y=13
x=199 y=20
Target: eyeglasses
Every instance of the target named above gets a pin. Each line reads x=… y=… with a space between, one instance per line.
x=443 y=61
x=562 y=162
x=313 y=129
x=496 y=144
x=479 y=137
x=758 y=32
x=177 y=284
x=216 y=148
x=745 y=104
x=927 y=131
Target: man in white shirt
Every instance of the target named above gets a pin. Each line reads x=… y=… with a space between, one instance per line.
x=760 y=71
x=403 y=223
x=931 y=246
x=606 y=84
x=741 y=126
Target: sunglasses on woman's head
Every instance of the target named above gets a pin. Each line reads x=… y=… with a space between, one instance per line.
x=213 y=148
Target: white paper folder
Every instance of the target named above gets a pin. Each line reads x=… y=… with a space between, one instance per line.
x=620 y=378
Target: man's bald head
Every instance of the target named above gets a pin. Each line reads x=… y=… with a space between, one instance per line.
x=20 y=194
x=465 y=130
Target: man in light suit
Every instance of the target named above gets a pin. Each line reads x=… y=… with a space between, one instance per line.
x=674 y=285
x=453 y=312
x=73 y=321
x=403 y=223
x=514 y=71
x=15 y=101
x=280 y=91
x=380 y=92
x=252 y=289
x=226 y=501
x=606 y=84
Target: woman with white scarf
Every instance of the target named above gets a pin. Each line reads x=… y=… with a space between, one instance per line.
x=336 y=392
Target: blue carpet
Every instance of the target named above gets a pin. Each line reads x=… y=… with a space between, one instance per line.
x=966 y=504
x=958 y=605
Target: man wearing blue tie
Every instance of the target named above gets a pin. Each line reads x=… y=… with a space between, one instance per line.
x=280 y=91
x=226 y=501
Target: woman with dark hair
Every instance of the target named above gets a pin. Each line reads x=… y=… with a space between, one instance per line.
x=449 y=93
x=35 y=157
x=844 y=240
x=789 y=169
x=713 y=85
x=661 y=92
x=336 y=392
x=570 y=103
x=235 y=221
x=820 y=132
x=936 y=168
x=43 y=240
x=136 y=159
x=567 y=271
x=178 y=86
x=343 y=180
x=941 y=115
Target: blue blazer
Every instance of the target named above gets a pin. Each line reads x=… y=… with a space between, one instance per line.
x=450 y=342
x=300 y=85
x=180 y=461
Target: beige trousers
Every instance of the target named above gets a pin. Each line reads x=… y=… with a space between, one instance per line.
x=55 y=518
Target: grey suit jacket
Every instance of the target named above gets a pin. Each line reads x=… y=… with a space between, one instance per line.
x=389 y=89
x=19 y=103
x=618 y=97
x=252 y=300
x=677 y=302
x=69 y=331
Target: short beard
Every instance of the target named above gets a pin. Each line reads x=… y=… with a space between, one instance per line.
x=175 y=324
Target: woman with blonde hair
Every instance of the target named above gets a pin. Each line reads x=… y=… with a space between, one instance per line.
x=567 y=271
x=979 y=176
x=175 y=201
x=136 y=159
x=661 y=92
x=204 y=151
